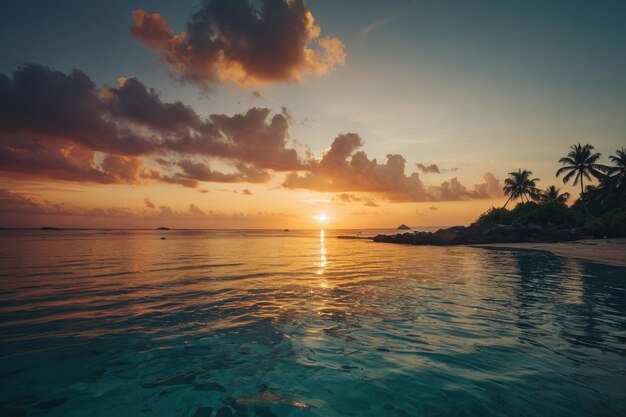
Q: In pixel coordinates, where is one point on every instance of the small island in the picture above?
(403, 227)
(163, 228)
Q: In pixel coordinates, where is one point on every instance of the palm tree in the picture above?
(619, 170)
(605, 195)
(520, 185)
(553, 195)
(579, 163)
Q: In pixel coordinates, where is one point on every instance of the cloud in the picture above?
(193, 209)
(344, 169)
(61, 126)
(135, 102)
(28, 156)
(20, 204)
(256, 138)
(19, 210)
(148, 203)
(430, 169)
(194, 172)
(351, 198)
(16, 203)
(242, 41)
(346, 198)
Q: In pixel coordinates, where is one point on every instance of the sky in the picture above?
(270, 113)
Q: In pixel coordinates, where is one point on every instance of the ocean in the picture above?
(300, 323)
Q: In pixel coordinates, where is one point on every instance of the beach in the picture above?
(606, 251)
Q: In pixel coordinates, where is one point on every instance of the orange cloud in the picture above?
(244, 42)
(342, 168)
(19, 210)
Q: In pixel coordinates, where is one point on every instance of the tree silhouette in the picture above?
(579, 164)
(618, 171)
(520, 185)
(553, 195)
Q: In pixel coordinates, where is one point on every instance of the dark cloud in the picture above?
(243, 41)
(256, 138)
(59, 107)
(194, 172)
(148, 203)
(430, 169)
(342, 169)
(133, 101)
(54, 125)
(59, 126)
(29, 156)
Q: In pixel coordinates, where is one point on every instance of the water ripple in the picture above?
(225, 324)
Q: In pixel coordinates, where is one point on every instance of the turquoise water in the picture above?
(302, 324)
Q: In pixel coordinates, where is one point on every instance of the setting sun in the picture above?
(322, 218)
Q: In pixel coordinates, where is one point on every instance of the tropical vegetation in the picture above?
(599, 210)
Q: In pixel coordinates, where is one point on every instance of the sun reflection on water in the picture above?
(321, 270)
(322, 254)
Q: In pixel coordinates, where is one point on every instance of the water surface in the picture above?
(218, 323)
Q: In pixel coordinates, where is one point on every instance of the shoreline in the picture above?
(610, 251)
(606, 251)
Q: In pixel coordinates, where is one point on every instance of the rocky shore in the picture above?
(478, 234)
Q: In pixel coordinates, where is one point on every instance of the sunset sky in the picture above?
(268, 113)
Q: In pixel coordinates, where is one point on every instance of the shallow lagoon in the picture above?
(217, 323)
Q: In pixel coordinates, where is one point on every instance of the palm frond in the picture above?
(569, 176)
(564, 169)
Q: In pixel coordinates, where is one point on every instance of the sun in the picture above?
(322, 218)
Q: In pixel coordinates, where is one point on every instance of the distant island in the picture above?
(50, 228)
(403, 227)
(163, 228)
(542, 216)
